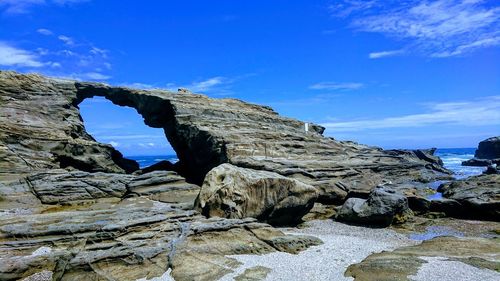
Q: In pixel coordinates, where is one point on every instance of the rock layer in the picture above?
(406, 262)
(130, 240)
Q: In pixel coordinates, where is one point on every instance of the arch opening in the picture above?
(123, 128)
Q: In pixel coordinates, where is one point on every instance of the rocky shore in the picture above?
(72, 208)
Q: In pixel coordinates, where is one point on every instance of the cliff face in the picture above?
(42, 129)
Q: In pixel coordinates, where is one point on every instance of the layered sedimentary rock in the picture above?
(76, 209)
(233, 192)
(478, 196)
(439, 256)
(41, 129)
(131, 239)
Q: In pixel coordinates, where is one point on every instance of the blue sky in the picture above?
(389, 73)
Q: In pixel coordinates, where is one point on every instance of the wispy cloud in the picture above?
(15, 57)
(66, 40)
(336, 86)
(480, 112)
(45, 31)
(67, 59)
(440, 28)
(24, 6)
(377, 55)
(206, 85)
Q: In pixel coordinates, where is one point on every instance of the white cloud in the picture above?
(480, 112)
(95, 76)
(114, 143)
(100, 52)
(440, 28)
(67, 40)
(19, 6)
(206, 85)
(347, 7)
(11, 56)
(44, 31)
(336, 86)
(24, 6)
(377, 55)
(138, 86)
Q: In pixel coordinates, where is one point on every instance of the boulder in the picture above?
(234, 192)
(487, 153)
(479, 196)
(488, 149)
(382, 208)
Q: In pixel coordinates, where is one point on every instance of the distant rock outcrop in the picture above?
(488, 149)
(487, 153)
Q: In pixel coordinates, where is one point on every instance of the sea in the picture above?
(452, 159)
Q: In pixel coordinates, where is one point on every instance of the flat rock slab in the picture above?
(130, 240)
(442, 258)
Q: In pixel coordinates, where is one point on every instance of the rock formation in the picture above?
(382, 208)
(478, 197)
(76, 209)
(405, 262)
(234, 192)
(42, 129)
(487, 153)
(488, 149)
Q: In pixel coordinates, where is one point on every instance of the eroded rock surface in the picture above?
(479, 196)
(131, 239)
(75, 209)
(233, 192)
(41, 129)
(382, 208)
(447, 253)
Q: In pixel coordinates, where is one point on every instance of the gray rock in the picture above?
(60, 186)
(488, 149)
(487, 153)
(233, 192)
(382, 208)
(41, 129)
(129, 240)
(164, 186)
(479, 196)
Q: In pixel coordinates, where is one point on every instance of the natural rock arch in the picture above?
(198, 151)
